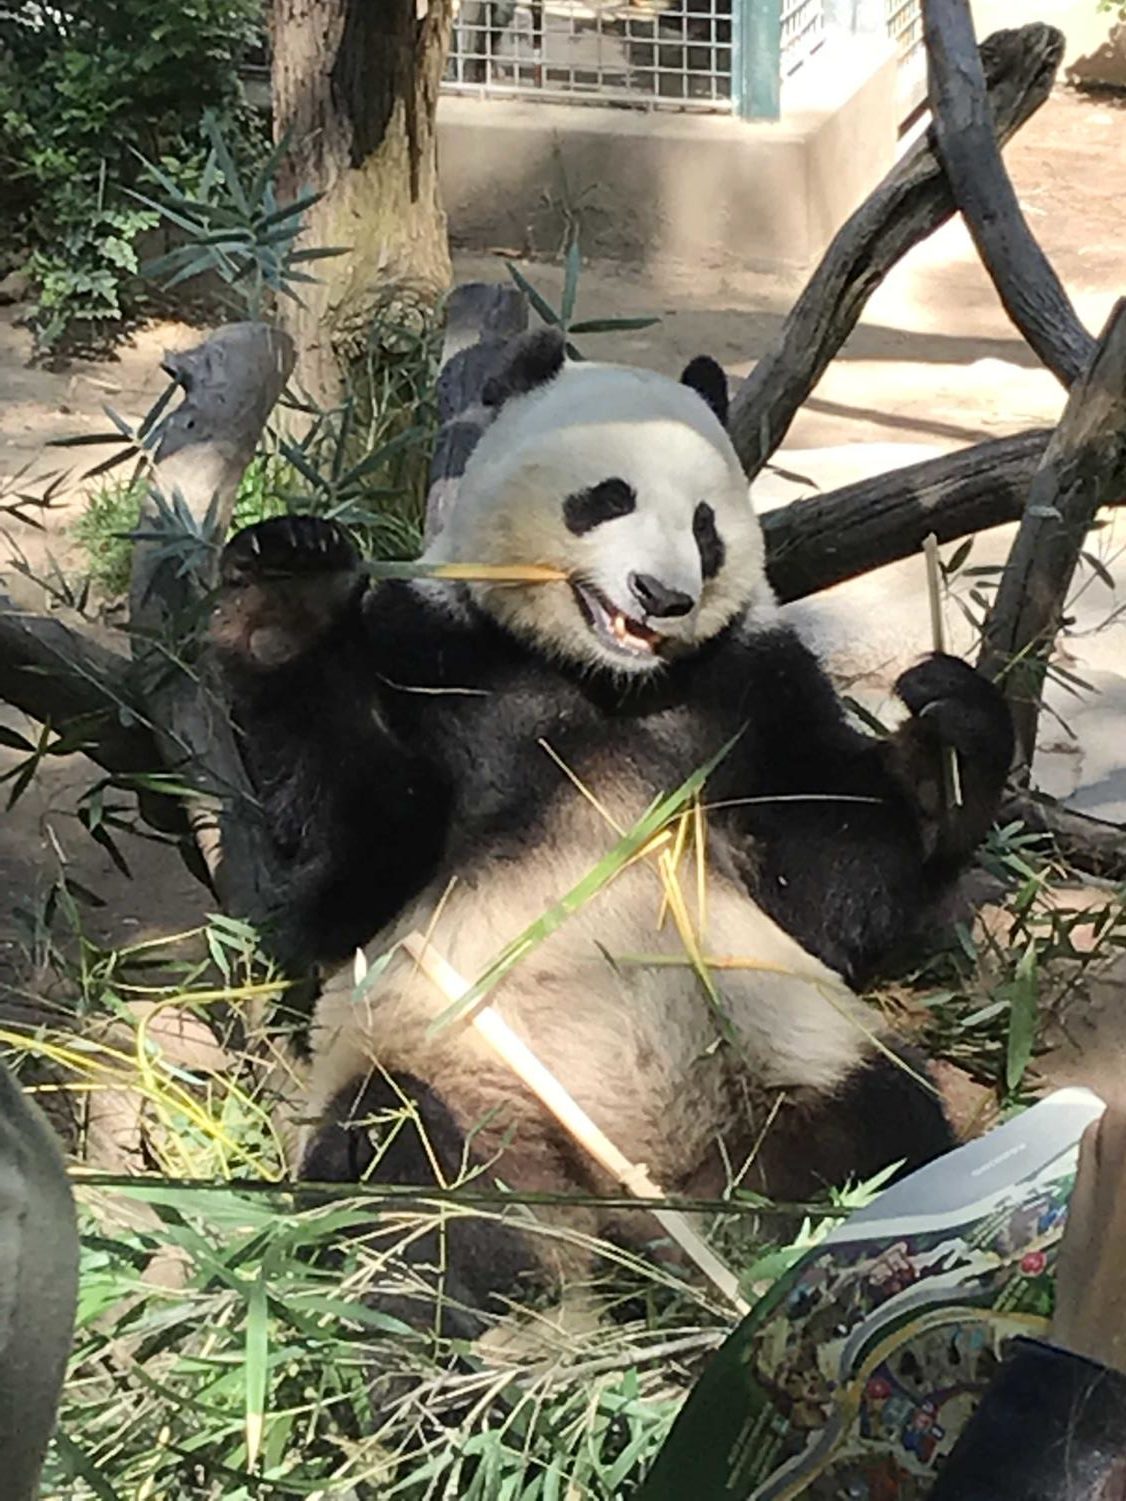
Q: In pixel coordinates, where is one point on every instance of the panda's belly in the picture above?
(638, 1046)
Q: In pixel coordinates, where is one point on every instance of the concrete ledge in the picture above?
(707, 191)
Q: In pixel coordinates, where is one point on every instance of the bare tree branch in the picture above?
(60, 677)
(910, 203)
(1083, 468)
(814, 543)
(963, 132)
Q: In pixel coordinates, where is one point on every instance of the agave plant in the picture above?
(236, 229)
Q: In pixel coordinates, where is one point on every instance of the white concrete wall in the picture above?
(652, 187)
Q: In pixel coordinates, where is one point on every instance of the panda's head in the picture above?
(627, 482)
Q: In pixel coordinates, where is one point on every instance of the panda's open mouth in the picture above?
(614, 628)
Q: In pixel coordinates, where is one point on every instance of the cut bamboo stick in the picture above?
(951, 772)
(634, 1177)
(468, 573)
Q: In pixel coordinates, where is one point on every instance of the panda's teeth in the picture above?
(620, 627)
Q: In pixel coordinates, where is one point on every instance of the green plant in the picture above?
(106, 527)
(563, 317)
(103, 530)
(366, 463)
(84, 84)
(234, 228)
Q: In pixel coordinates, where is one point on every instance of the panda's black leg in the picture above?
(396, 1130)
(887, 1112)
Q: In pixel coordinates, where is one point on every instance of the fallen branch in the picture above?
(1090, 844)
(60, 677)
(1083, 468)
(964, 135)
(203, 447)
(815, 543)
(910, 203)
(231, 383)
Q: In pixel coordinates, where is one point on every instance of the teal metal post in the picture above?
(756, 58)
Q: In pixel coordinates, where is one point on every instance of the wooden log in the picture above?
(1090, 844)
(231, 383)
(481, 319)
(55, 673)
(910, 203)
(964, 135)
(1083, 468)
(815, 543)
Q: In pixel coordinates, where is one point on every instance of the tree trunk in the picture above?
(355, 89)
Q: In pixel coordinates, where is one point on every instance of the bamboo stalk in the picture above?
(570, 1115)
(469, 573)
(951, 772)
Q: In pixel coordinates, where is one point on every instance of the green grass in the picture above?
(102, 530)
(228, 1334)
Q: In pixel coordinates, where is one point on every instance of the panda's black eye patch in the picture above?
(708, 540)
(605, 501)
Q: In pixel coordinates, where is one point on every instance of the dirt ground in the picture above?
(934, 365)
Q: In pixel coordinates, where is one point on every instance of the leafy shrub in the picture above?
(86, 85)
(112, 513)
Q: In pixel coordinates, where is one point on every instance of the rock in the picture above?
(15, 287)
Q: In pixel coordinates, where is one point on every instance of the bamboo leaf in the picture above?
(1024, 1013)
(317, 253)
(257, 1366)
(226, 163)
(611, 325)
(80, 1466)
(647, 827)
(572, 269)
(14, 740)
(542, 307)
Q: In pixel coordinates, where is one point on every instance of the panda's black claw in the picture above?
(287, 547)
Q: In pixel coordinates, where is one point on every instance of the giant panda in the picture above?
(453, 758)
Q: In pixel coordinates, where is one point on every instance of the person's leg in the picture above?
(1053, 1420)
(1090, 1313)
(38, 1288)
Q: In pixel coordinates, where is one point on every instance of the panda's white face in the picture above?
(625, 481)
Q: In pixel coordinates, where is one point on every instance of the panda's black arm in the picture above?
(355, 817)
(850, 837)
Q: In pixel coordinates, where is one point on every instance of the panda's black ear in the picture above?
(532, 360)
(709, 380)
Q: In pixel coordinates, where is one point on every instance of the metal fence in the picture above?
(709, 55)
(803, 29)
(905, 25)
(631, 52)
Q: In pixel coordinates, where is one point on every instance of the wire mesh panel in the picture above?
(905, 25)
(675, 54)
(803, 28)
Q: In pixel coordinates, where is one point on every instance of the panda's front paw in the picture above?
(285, 584)
(287, 547)
(953, 705)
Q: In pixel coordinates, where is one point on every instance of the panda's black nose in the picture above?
(655, 599)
